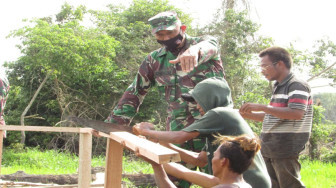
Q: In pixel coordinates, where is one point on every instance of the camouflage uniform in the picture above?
(4, 88)
(171, 81)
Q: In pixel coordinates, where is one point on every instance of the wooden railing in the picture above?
(116, 142)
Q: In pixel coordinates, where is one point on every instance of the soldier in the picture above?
(174, 69)
(4, 88)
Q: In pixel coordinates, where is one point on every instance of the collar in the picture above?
(289, 77)
(163, 51)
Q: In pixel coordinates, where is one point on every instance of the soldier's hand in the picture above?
(95, 133)
(137, 128)
(188, 59)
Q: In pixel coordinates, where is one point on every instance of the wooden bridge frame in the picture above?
(116, 142)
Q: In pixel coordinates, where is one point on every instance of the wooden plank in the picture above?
(151, 150)
(113, 168)
(85, 150)
(46, 129)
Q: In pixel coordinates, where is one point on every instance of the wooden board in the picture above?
(151, 150)
(46, 129)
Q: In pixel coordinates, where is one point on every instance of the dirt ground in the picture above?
(20, 179)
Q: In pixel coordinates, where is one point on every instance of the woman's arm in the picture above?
(195, 177)
(190, 157)
(161, 177)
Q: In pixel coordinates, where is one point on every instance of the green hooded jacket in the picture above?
(214, 96)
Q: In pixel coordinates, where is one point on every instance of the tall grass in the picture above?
(315, 174)
(34, 161)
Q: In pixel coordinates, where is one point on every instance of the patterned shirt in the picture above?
(4, 88)
(284, 138)
(171, 81)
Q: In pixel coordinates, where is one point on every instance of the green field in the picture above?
(33, 161)
(315, 174)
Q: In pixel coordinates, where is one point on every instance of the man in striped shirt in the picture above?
(287, 120)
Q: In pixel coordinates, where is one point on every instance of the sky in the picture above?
(300, 22)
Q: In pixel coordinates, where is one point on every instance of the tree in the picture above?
(318, 62)
(324, 59)
(239, 44)
(80, 61)
(91, 66)
(328, 102)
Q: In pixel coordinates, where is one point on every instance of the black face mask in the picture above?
(172, 43)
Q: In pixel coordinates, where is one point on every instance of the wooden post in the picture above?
(113, 168)
(85, 150)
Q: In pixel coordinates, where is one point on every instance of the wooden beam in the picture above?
(46, 129)
(85, 150)
(113, 168)
(148, 149)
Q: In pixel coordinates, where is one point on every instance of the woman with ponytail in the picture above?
(233, 157)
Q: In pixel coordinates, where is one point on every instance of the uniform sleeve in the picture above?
(208, 124)
(4, 89)
(132, 98)
(208, 49)
(299, 96)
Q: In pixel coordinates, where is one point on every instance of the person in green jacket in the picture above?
(213, 98)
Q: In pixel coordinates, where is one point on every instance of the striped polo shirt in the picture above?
(284, 138)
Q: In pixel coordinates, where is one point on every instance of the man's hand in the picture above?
(139, 127)
(188, 59)
(95, 133)
(247, 108)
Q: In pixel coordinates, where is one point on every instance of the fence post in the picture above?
(113, 168)
(85, 151)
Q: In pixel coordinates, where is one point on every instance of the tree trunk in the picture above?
(323, 71)
(23, 135)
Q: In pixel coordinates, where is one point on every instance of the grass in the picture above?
(34, 161)
(315, 174)
(318, 174)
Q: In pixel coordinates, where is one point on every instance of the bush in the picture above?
(321, 142)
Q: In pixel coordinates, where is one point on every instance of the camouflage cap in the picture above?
(164, 21)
